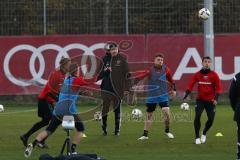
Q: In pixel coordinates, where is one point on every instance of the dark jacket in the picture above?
(115, 81)
(234, 96)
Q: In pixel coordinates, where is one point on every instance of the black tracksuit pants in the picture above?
(210, 109)
(109, 98)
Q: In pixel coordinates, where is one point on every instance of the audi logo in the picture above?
(37, 54)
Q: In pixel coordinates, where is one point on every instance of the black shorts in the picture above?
(56, 121)
(45, 109)
(152, 106)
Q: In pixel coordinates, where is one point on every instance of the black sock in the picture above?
(36, 127)
(145, 133)
(73, 147)
(43, 141)
(104, 123)
(35, 142)
(167, 129)
(204, 132)
(117, 122)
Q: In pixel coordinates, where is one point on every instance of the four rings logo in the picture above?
(37, 54)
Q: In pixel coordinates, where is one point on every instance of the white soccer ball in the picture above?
(204, 13)
(98, 116)
(185, 106)
(136, 114)
(1, 108)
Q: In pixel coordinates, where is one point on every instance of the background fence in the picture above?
(30, 17)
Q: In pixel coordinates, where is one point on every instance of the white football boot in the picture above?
(198, 141)
(203, 138)
(170, 135)
(28, 151)
(143, 138)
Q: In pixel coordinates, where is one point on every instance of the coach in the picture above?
(114, 74)
(234, 96)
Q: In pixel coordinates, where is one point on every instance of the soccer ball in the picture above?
(98, 116)
(1, 108)
(204, 13)
(185, 106)
(136, 114)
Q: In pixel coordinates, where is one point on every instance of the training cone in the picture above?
(84, 135)
(219, 134)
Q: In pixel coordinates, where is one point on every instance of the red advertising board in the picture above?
(26, 61)
(183, 55)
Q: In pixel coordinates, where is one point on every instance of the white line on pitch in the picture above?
(15, 112)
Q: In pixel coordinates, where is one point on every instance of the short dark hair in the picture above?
(73, 68)
(159, 55)
(64, 61)
(206, 57)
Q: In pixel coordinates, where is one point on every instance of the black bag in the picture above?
(71, 157)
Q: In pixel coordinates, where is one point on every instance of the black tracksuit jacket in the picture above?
(234, 96)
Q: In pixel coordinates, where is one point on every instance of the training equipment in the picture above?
(136, 113)
(185, 106)
(219, 134)
(68, 123)
(98, 116)
(84, 135)
(1, 108)
(204, 13)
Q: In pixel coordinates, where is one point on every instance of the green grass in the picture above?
(127, 147)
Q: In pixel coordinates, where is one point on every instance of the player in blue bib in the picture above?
(66, 105)
(160, 85)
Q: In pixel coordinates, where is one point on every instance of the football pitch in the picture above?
(17, 119)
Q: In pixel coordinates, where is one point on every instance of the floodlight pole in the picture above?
(126, 17)
(209, 33)
(44, 18)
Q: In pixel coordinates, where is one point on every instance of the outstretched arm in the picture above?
(170, 79)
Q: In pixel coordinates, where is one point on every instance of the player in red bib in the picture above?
(46, 100)
(209, 88)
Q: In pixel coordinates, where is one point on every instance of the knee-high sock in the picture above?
(36, 127)
(104, 122)
(117, 121)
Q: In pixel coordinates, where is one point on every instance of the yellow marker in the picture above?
(219, 134)
(84, 135)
